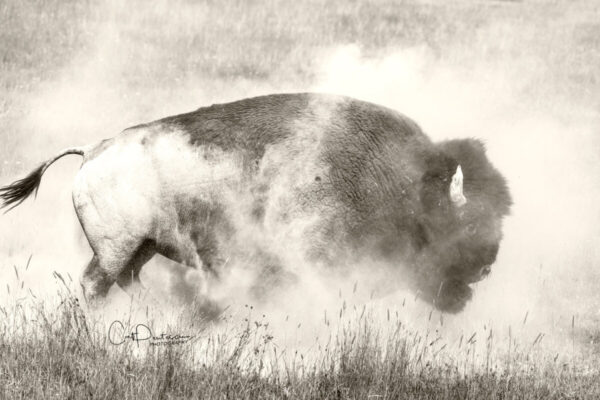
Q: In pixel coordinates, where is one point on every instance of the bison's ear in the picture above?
(441, 183)
(456, 189)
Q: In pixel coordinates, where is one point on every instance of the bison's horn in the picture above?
(456, 189)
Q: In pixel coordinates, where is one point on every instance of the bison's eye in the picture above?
(471, 229)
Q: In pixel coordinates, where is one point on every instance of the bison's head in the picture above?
(464, 199)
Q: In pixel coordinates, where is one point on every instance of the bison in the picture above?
(337, 179)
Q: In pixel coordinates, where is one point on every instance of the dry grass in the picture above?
(145, 59)
(60, 351)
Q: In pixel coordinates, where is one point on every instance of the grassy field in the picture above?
(59, 351)
(523, 75)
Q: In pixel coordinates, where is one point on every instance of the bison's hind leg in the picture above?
(95, 282)
(129, 278)
(117, 264)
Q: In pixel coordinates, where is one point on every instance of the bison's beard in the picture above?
(449, 295)
(444, 286)
(443, 271)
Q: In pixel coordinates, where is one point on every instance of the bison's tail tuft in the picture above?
(17, 192)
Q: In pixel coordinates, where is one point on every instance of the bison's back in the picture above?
(251, 125)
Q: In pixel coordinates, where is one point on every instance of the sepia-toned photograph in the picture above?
(310, 199)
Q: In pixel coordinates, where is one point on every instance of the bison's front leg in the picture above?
(271, 279)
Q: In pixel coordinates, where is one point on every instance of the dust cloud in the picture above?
(546, 147)
(546, 267)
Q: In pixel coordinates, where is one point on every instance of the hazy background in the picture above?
(522, 75)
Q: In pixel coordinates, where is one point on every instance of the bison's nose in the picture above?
(489, 253)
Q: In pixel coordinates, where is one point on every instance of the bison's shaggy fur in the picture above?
(345, 180)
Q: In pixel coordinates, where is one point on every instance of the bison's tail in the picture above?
(14, 194)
